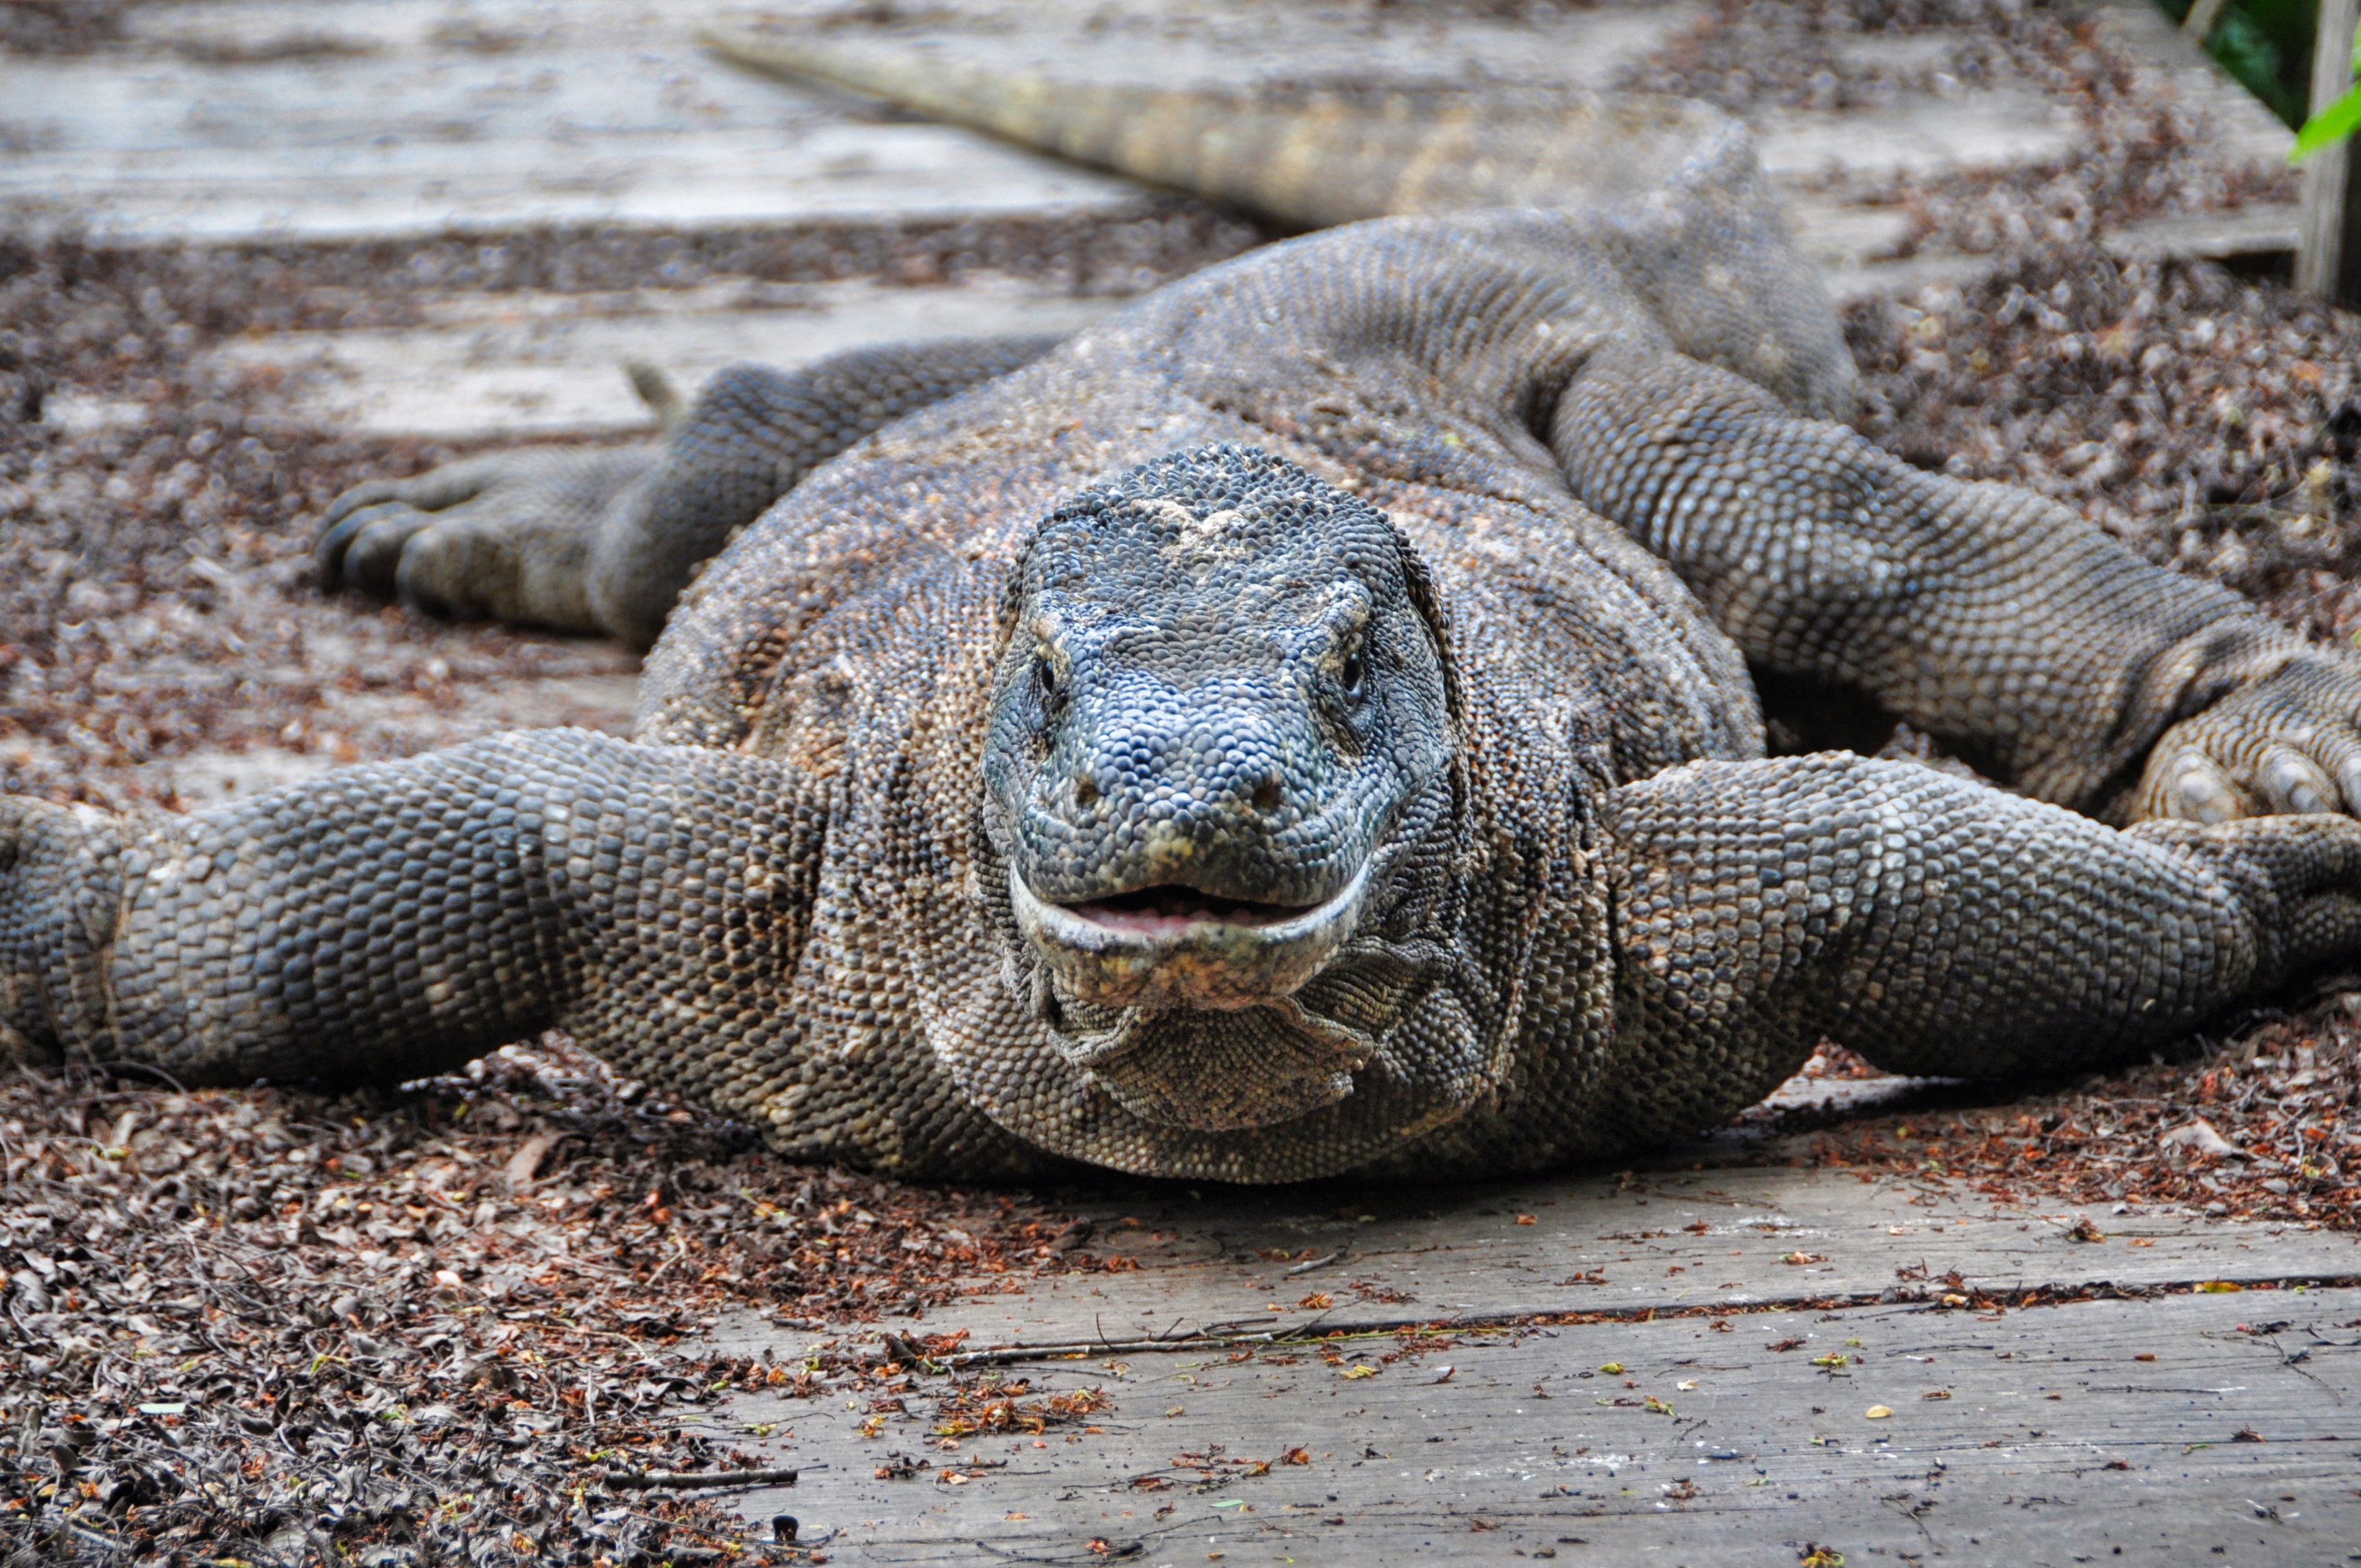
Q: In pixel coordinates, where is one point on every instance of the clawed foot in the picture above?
(506, 537)
(2290, 744)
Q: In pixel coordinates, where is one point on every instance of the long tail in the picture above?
(1672, 186)
(1307, 157)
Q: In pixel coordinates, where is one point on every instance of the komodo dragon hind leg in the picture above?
(505, 537)
(604, 539)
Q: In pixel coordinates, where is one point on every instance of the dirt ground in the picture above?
(441, 1325)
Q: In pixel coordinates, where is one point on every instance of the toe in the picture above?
(2198, 789)
(373, 556)
(446, 571)
(2292, 784)
(2337, 751)
(454, 484)
(371, 493)
(331, 555)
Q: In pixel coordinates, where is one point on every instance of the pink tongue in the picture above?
(1174, 915)
(1144, 921)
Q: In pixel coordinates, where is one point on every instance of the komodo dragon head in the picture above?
(1222, 728)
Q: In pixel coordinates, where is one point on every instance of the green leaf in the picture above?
(2329, 127)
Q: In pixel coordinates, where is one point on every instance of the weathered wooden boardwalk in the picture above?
(1433, 1392)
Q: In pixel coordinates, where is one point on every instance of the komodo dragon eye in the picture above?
(1353, 674)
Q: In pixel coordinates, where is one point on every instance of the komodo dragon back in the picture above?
(1673, 183)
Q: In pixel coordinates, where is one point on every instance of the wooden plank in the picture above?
(1661, 1241)
(2328, 255)
(2055, 1441)
(2168, 64)
(2264, 229)
(535, 363)
(2264, 232)
(2007, 124)
(333, 118)
(2198, 26)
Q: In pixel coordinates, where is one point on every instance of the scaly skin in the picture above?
(1303, 725)
(604, 540)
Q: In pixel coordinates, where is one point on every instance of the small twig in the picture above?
(1316, 1263)
(525, 1162)
(650, 1480)
(140, 1067)
(1101, 1552)
(668, 1263)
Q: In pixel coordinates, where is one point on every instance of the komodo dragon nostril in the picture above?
(1266, 794)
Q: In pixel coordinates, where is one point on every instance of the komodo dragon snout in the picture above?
(1220, 720)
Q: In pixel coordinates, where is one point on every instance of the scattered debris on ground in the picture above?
(1749, 55)
(2268, 1128)
(2137, 159)
(437, 1326)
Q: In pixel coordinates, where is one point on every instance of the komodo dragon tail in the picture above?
(1307, 156)
(1675, 182)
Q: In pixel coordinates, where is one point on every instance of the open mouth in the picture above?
(1167, 946)
(1166, 909)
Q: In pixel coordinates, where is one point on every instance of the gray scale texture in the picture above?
(1472, 458)
(615, 534)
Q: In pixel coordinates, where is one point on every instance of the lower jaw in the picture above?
(1213, 965)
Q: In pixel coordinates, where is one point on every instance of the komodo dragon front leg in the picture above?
(604, 540)
(1990, 617)
(395, 920)
(1934, 925)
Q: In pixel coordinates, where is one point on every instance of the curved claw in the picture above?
(364, 548)
(425, 572)
(367, 493)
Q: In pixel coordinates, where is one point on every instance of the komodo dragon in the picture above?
(1309, 723)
